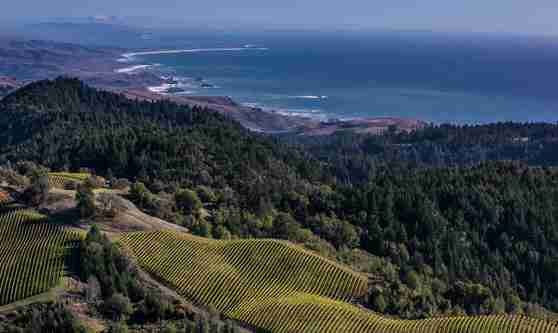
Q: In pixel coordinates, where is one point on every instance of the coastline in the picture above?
(132, 69)
(253, 116)
(131, 55)
(175, 85)
(117, 70)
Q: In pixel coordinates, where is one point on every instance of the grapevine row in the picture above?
(59, 179)
(298, 312)
(282, 288)
(32, 254)
(224, 274)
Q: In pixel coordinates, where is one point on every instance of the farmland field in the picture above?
(59, 179)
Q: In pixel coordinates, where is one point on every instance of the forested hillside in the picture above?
(439, 231)
(354, 155)
(67, 125)
(4, 91)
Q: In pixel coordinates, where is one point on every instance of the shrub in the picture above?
(141, 195)
(206, 194)
(412, 279)
(96, 181)
(36, 193)
(30, 169)
(169, 328)
(71, 185)
(12, 177)
(118, 328)
(121, 184)
(156, 306)
(379, 303)
(118, 306)
(108, 204)
(85, 199)
(188, 202)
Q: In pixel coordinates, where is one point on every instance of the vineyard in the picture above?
(205, 270)
(32, 254)
(309, 313)
(282, 288)
(60, 179)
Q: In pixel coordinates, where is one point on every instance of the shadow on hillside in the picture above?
(67, 217)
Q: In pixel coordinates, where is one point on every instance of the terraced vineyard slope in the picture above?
(309, 313)
(280, 287)
(226, 274)
(32, 254)
(60, 179)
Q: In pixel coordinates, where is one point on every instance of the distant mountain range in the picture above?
(99, 30)
(36, 59)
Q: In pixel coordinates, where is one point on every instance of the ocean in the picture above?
(439, 78)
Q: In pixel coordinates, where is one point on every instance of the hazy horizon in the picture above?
(497, 16)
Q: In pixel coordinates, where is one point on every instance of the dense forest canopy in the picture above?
(354, 155)
(64, 124)
(445, 223)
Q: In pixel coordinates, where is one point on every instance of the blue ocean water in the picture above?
(433, 77)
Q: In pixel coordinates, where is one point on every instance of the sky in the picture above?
(498, 16)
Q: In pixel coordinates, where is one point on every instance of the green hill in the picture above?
(225, 274)
(443, 238)
(282, 288)
(64, 124)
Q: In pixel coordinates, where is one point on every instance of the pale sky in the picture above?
(515, 16)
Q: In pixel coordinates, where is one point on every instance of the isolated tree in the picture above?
(93, 289)
(118, 306)
(379, 303)
(156, 306)
(85, 198)
(191, 327)
(188, 202)
(108, 203)
(202, 228)
(206, 194)
(94, 234)
(37, 192)
(413, 280)
(281, 225)
(140, 194)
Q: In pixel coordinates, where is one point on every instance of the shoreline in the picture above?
(170, 85)
(128, 56)
(270, 120)
(132, 69)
